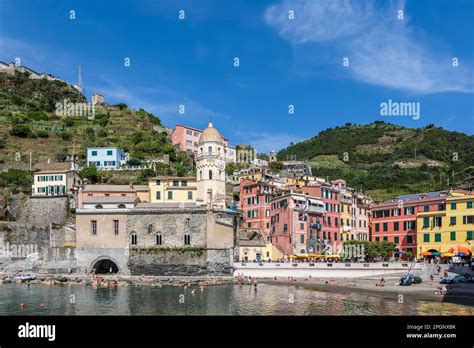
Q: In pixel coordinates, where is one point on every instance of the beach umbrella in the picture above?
(436, 253)
(426, 253)
(462, 254)
(460, 249)
(448, 254)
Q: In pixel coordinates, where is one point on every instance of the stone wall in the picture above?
(39, 212)
(160, 261)
(171, 225)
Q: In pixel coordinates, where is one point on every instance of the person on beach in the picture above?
(381, 283)
(445, 272)
(432, 277)
(439, 269)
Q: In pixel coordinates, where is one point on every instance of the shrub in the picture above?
(42, 133)
(66, 135)
(21, 130)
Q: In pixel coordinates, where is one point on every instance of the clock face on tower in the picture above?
(221, 165)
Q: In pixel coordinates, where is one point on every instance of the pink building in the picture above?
(186, 138)
(294, 219)
(255, 198)
(90, 192)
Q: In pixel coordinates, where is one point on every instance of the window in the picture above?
(385, 239)
(453, 206)
(158, 239)
(121, 206)
(210, 175)
(377, 227)
(170, 194)
(93, 153)
(302, 238)
(150, 228)
(158, 182)
(385, 226)
(94, 227)
(396, 239)
(409, 239)
(438, 237)
(468, 219)
(98, 206)
(395, 226)
(469, 205)
(134, 238)
(452, 236)
(184, 183)
(437, 221)
(377, 239)
(426, 208)
(158, 195)
(426, 238)
(209, 150)
(190, 194)
(116, 227)
(469, 235)
(426, 222)
(175, 183)
(109, 152)
(285, 228)
(409, 211)
(452, 220)
(302, 226)
(187, 239)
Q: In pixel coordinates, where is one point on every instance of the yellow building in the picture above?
(251, 174)
(346, 216)
(297, 182)
(442, 230)
(171, 189)
(253, 247)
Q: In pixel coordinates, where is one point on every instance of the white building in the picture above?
(55, 182)
(210, 166)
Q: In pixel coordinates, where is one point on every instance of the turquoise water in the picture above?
(215, 300)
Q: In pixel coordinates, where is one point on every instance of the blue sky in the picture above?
(283, 61)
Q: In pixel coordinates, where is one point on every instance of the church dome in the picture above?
(210, 134)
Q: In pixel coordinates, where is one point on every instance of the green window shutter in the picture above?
(426, 222)
(469, 205)
(453, 206)
(453, 236)
(469, 235)
(395, 240)
(438, 237)
(426, 238)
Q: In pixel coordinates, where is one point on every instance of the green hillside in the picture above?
(29, 123)
(386, 160)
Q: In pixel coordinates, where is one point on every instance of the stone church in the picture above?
(164, 238)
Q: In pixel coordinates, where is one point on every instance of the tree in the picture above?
(90, 173)
(275, 167)
(61, 155)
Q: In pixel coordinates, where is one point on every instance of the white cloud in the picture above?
(382, 49)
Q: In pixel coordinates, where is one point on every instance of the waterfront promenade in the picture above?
(322, 270)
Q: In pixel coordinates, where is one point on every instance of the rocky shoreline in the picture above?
(111, 281)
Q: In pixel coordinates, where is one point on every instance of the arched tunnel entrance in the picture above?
(105, 266)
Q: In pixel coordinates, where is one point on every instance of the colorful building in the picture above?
(186, 139)
(396, 220)
(94, 193)
(449, 227)
(360, 216)
(106, 157)
(255, 206)
(294, 220)
(172, 189)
